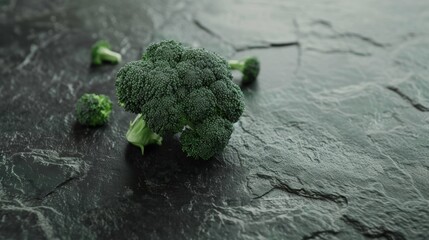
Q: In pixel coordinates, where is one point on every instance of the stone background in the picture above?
(333, 143)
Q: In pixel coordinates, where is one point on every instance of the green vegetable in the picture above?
(249, 67)
(139, 134)
(101, 53)
(93, 110)
(176, 89)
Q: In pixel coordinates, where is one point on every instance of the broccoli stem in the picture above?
(236, 65)
(109, 55)
(140, 135)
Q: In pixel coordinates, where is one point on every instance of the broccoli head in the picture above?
(249, 67)
(176, 89)
(93, 110)
(101, 53)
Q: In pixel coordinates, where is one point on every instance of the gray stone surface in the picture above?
(332, 145)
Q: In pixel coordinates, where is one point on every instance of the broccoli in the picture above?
(93, 110)
(176, 89)
(139, 134)
(101, 53)
(249, 67)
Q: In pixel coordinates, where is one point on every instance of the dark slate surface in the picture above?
(333, 143)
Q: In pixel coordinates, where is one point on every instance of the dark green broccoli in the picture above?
(101, 53)
(176, 89)
(249, 67)
(93, 110)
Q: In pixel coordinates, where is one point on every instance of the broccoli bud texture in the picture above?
(176, 89)
(93, 110)
(249, 67)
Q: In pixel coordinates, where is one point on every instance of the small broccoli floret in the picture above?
(93, 110)
(249, 67)
(101, 53)
(140, 135)
(176, 89)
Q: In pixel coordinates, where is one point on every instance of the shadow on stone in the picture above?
(237, 79)
(249, 86)
(163, 167)
(80, 133)
(104, 69)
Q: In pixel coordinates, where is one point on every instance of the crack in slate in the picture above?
(335, 51)
(413, 103)
(302, 192)
(376, 232)
(298, 35)
(59, 186)
(210, 32)
(264, 194)
(360, 37)
(295, 124)
(269, 45)
(319, 234)
(241, 49)
(338, 199)
(338, 35)
(240, 123)
(322, 22)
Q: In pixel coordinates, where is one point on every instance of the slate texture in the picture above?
(333, 143)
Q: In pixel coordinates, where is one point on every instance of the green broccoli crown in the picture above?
(206, 138)
(101, 52)
(249, 67)
(177, 89)
(93, 110)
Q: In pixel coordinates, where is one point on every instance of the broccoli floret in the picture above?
(139, 134)
(249, 67)
(176, 89)
(101, 53)
(93, 110)
(211, 133)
